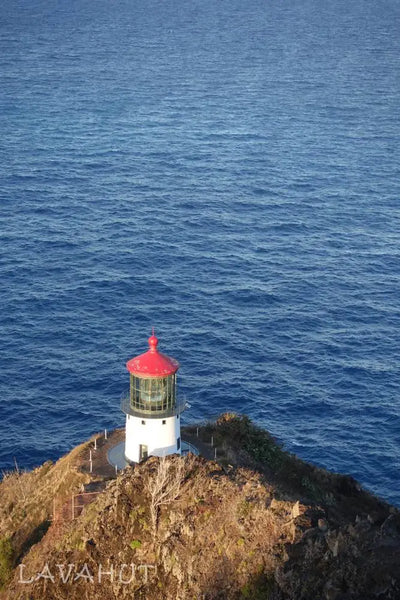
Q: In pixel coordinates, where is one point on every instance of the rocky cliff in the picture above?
(255, 523)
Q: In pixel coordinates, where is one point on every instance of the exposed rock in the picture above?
(323, 525)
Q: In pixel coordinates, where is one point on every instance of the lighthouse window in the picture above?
(178, 443)
(143, 422)
(153, 394)
(164, 422)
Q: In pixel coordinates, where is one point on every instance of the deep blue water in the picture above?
(227, 171)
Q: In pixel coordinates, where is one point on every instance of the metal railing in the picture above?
(154, 411)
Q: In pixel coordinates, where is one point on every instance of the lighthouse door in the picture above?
(143, 452)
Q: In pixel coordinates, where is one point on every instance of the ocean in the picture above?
(227, 172)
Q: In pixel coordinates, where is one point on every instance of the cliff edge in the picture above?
(255, 523)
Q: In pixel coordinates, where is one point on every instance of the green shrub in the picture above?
(256, 441)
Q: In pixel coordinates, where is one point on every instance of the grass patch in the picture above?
(6, 560)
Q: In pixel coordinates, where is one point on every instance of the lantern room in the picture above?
(152, 382)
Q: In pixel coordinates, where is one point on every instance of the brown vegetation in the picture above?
(258, 524)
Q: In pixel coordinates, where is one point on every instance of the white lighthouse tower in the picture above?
(152, 411)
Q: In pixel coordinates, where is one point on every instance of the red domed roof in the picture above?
(152, 363)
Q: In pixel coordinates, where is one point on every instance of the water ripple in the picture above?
(227, 172)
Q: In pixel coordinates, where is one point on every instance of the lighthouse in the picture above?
(152, 410)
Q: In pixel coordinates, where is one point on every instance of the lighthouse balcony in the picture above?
(152, 410)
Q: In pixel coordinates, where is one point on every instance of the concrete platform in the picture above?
(115, 456)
